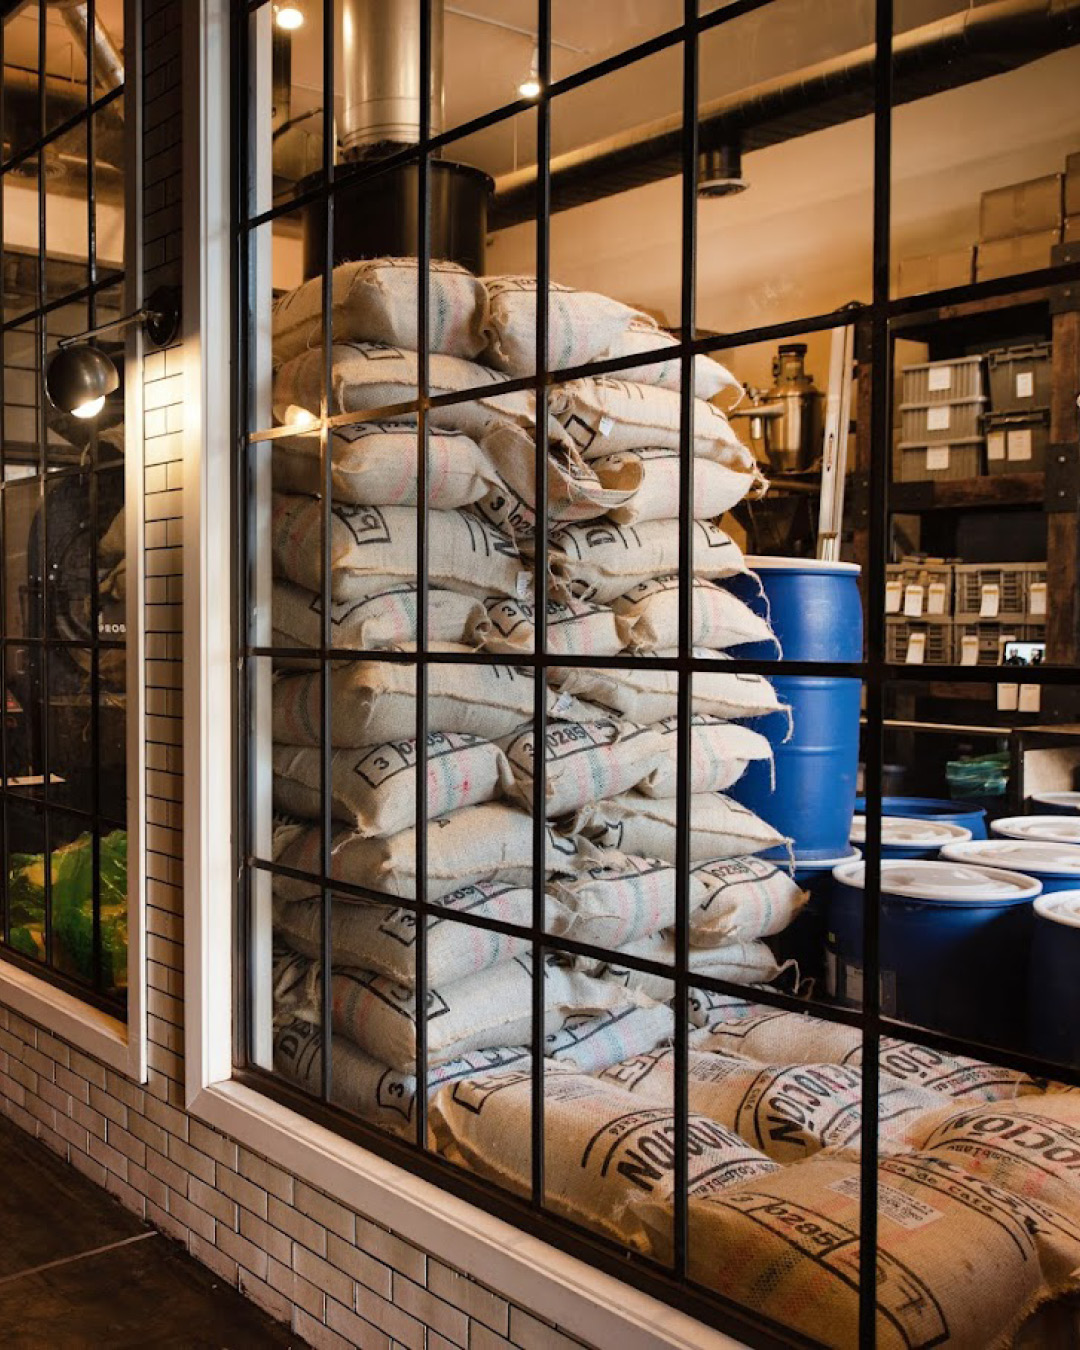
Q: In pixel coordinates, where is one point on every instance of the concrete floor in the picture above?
(78, 1271)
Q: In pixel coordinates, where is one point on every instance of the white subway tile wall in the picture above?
(337, 1278)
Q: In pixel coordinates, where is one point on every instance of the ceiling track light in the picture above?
(290, 15)
(79, 377)
(530, 86)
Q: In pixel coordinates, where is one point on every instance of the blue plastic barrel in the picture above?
(1057, 866)
(972, 818)
(1054, 1019)
(1056, 803)
(955, 943)
(909, 837)
(816, 613)
(803, 940)
(1046, 829)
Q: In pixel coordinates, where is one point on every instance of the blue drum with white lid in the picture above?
(1056, 803)
(1048, 829)
(904, 837)
(954, 946)
(1054, 1014)
(1057, 866)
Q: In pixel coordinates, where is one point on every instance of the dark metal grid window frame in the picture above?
(35, 320)
(874, 324)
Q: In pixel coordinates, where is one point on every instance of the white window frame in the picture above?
(586, 1302)
(118, 1043)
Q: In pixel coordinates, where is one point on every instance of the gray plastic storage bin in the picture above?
(938, 638)
(989, 640)
(922, 463)
(943, 381)
(914, 573)
(941, 423)
(1017, 442)
(1013, 582)
(1020, 377)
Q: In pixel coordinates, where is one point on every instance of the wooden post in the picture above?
(1063, 526)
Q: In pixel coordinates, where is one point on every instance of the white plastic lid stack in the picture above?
(767, 562)
(911, 832)
(949, 882)
(1060, 907)
(1068, 800)
(1018, 855)
(1050, 829)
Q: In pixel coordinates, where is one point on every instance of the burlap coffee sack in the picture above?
(647, 696)
(719, 827)
(772, 1036)
(373, 788)
(747, 898)
(489, 1009)
(720, 753)
(381, 380)
(574, 491)
(606, 415)
(601, 561)
(585, 761)
(574, 628)
(710, 377)
(788, 1111)
(593, 1042)
(606, 1152)
(378, 623)
(957, 1263)
(739, 962)
(617, 900)
(1030, 1147)
(470, 845)
(658, 473)
(375, 701)
(374, 548)
(582, 326)
(382, 938)
(377, 300)
(377, 464)
(719, 620)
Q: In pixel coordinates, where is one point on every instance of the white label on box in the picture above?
(1008, 695)
(916, 649)
(969, 649)
(1019, 444)
(1030, 700)
(894, 594)
(935, 598)
(989, 600)
(995, 445)
(937, 458)
(939, 377)
(1025, 384)
(938, 417)
(913, 600)
(1037, 598)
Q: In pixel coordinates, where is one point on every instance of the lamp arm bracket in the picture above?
(161, 315)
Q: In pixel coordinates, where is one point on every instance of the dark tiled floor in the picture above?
(77, 1270)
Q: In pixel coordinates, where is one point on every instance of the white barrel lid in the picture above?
(822, 864)
(1060, 907)
(958, 883)
(1018, 855)
(1069, 799)
(763, 562)
(1051, 829)
(911, 831)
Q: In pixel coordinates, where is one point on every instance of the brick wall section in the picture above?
(337, 1278)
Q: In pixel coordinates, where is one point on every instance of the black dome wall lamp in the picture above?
(79, 377)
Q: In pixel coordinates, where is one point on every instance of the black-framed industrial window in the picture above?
(63, 169)
(337, 865)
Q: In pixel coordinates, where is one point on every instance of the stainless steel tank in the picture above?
(784, 423)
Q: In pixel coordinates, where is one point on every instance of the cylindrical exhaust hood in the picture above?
(380, 44)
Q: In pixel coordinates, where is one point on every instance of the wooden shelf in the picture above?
(966, 494)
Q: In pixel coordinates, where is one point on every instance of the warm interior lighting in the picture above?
(289, 17)
(529, 88)
(90, 408)
(296, 416)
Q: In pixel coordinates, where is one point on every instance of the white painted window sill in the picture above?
(585, 1302)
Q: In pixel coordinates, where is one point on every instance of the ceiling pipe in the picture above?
(959, 49)
(380, 42)
(108, 63)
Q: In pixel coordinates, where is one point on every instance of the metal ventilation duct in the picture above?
(108, 63)
(959, 49)
(383, 80)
